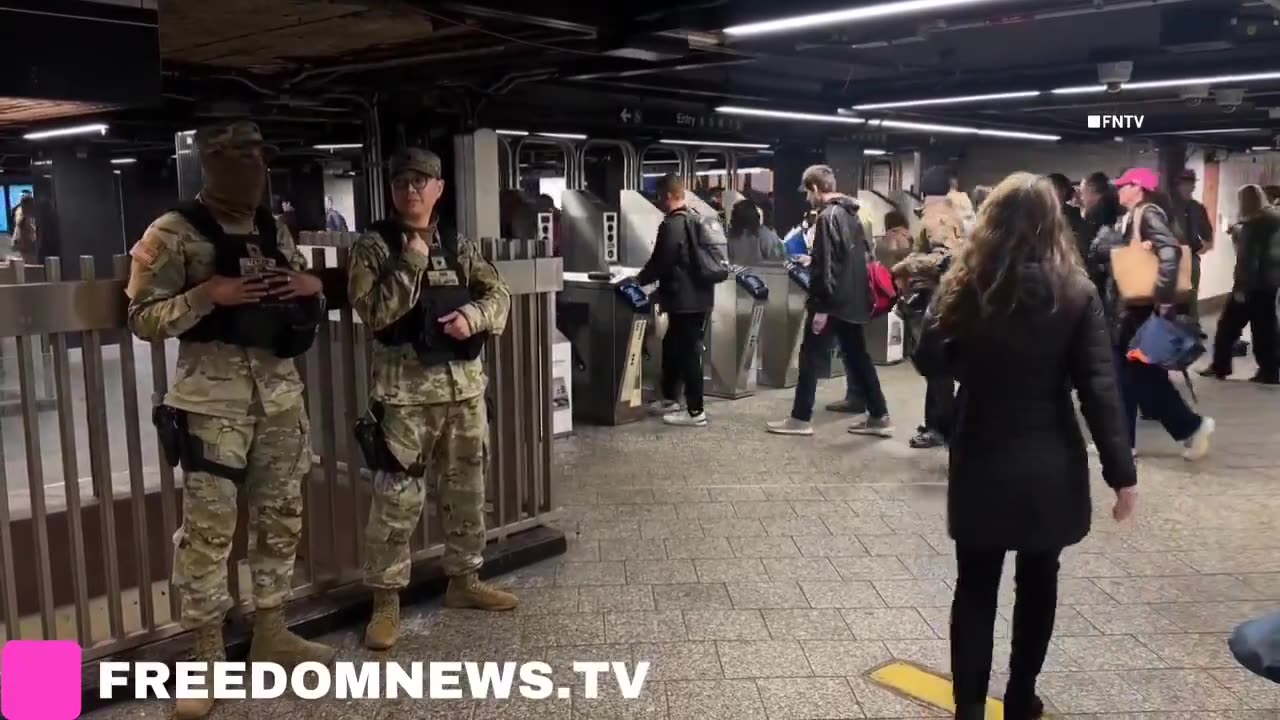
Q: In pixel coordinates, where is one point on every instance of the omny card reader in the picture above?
(605, 316)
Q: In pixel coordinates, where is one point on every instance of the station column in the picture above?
(846, 159)
(477, 184)
(89, 213)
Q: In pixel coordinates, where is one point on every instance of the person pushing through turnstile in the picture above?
(430, 300)
(223, 277)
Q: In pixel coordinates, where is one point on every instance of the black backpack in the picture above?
(707, 265)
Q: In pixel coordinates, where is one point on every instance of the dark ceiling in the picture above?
(306, 68)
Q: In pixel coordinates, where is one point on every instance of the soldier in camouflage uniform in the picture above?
(432, 414)
(243, 406)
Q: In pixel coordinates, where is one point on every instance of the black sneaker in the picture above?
(1265, 379)
(927, 439)
(1213, 372)
(1015, 709)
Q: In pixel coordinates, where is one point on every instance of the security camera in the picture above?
(1229, 98)
(1115, 74)
(1194, 95)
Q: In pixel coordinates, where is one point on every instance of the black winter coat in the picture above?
(1019, 470)
(669, 266)
(838, 271)
(1258, 253)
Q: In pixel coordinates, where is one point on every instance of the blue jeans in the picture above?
(861, 372)
(1149, 386)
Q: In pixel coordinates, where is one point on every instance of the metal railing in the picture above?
(88, 558)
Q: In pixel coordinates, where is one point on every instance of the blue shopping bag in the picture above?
(1256, 646)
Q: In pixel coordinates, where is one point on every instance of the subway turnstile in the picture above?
(733, 335)
(606, 319)
(783, 327)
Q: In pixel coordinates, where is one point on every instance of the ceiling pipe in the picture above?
(1021, 19)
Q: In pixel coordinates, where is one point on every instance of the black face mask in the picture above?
(234, 182)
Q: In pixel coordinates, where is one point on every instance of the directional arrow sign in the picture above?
(925, 686)
(630, 116)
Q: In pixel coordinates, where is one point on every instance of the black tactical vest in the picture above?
(444, 288)
(285, 327)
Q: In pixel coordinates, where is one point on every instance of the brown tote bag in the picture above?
(1137, 270)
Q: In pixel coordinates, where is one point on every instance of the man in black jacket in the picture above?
(1065, 190)
(1197, 229)
(684, 299)
(839, 306)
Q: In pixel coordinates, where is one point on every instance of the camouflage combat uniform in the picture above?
(433, 415)
(244, 406)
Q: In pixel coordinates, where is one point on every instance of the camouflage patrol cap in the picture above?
(416, 160)
(236, 135)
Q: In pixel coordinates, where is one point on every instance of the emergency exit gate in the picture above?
(88, 509)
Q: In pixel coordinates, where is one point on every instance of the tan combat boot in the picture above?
(274, 643)
(466, 591)
(209, 648)
(384, 625)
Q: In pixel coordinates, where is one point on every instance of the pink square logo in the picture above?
(41, 680)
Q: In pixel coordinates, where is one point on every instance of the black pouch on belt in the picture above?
(373, 442)
(180, 447)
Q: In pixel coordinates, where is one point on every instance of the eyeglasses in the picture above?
(417, 182)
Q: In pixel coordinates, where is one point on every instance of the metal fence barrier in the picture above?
(88, 509)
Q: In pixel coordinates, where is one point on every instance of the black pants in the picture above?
(939, 404)
(973, 618)
(682, 358)
(1258, 310)
(814, 348)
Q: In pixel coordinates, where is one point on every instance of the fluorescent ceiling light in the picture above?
(872, 151)
(513, 133)
(1215, 131)
(339, 146)
(1263, 148)
(961, 130)
(949, 100)
(700, 161)
(849, 15)
(41, 162)
(98, 128)
(714, 143)
(741, 171)
(786, 115)
(564, 136)
(1173, 82)
(123, 161)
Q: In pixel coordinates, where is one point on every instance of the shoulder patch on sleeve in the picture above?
(147, 250)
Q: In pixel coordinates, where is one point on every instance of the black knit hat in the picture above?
(936, 181)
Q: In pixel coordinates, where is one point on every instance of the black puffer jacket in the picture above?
(1154, 228)
(669, 266)
(1258, 252)
(1019, 470)
(839, 285)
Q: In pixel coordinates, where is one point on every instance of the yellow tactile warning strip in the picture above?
(925, 686)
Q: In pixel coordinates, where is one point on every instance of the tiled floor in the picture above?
(764, 576)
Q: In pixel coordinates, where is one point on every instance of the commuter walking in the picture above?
(1018, 323)
(234, 416)
(1254, 291)
(839, 306)
(919, 275)
(26, 230)
(1197, 230)
(1145, 385)
(1100, 207)
(431, 302)
(750, 242)
(685, 298)
(1065, 192)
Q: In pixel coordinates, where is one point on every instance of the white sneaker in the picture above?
(790, 426)
(877, 427)
(1198, 443)
(684, 419)
(662, 407)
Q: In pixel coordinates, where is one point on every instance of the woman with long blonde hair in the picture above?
(1018, 323)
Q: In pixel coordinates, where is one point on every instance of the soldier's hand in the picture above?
(289, 284)
(456, 325)
(418, 245)
(223, 290)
